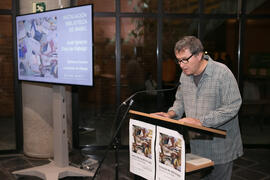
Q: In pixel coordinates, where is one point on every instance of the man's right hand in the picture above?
(163, 114)
(169, 114)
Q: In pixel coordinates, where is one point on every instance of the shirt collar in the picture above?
(209, 67)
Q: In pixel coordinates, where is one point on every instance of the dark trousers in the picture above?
(220, 172)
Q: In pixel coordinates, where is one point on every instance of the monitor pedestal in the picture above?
(59, 167)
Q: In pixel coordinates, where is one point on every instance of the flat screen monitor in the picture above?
(56, 46)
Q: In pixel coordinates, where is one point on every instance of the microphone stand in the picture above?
(114, 141)
(116, 145)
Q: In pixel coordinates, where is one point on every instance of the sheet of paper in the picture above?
(141, 147)
(170, 154)
(196, 160)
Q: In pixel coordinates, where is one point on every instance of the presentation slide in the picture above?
(56, 46)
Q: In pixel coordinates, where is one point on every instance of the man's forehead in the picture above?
(182, 51)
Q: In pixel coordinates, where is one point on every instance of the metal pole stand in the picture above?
(59, 167)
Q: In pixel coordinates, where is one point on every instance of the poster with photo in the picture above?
(170, 154)
(141, 147)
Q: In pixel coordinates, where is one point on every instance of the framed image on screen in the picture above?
(56, 46)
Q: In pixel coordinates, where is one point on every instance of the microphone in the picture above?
(146, 91)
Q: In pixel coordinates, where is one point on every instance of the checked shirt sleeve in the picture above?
(178, 105)
(229, 102)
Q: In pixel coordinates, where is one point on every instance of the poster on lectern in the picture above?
(141, 148)
(170, 154)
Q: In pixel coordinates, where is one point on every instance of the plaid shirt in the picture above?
(215, 102)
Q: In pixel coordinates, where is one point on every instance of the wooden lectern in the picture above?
(180, 126)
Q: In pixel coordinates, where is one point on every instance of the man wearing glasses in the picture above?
(209, 96)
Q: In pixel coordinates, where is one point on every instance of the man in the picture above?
(209, 96)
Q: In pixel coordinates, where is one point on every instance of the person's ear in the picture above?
(200, 55)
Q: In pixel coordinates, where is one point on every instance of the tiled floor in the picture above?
(254, 165)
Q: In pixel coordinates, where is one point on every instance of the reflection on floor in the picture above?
(254, 165)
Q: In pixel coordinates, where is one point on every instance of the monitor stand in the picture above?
(59, 166)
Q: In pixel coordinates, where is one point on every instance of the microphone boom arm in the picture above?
(144, 91)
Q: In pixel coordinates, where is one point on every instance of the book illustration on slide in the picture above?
(38, 47)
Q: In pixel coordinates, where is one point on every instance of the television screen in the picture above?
(56, 46)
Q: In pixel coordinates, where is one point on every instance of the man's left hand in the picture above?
(191, 121)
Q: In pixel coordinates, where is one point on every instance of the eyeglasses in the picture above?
(184, 60)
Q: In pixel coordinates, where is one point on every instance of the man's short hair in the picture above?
(189, 42)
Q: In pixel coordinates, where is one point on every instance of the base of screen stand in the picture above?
(52, 172)
(58, 168)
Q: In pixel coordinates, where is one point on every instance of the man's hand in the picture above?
(162, 114)
(169, 114)
(191, 121)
